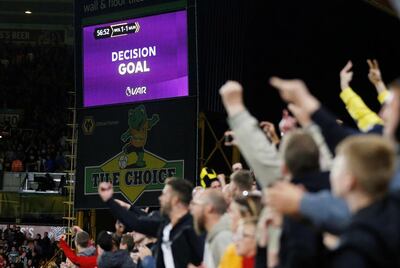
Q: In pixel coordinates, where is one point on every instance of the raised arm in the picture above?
(133, 222)
(375, 77)
(309, 126)
(325, 211)
(70, 254)
(296, 92)
(260, 154)
(358, 110)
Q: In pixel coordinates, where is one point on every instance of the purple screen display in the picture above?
(135, 60)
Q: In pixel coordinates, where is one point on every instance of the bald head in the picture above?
(215, 199)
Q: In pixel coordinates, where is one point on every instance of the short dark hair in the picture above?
(183, 188)
(116, 239)
(243, 179)
(82, 239)
(104, 240)
(128, 241)
(300, 153)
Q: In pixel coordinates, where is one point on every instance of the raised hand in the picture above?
(296, 92)
(301, 115)
(285, 197)
(232, 97)
(76, 229)
(346, 75)
(144, 252)
(222, 179)
(230, 138)
(290, 90)
(287, 123)
(105, 191)
(375, 75)
(123, 204)
(269, 130)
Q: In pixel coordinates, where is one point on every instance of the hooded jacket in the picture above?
(89, 251)
(117, 259)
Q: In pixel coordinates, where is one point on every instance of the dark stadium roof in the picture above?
(60, 12)
(383, 5)
(50, 12)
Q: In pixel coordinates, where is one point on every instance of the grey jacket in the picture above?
(261, 155)
(216, 242)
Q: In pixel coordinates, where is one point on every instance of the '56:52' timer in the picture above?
(116, 30)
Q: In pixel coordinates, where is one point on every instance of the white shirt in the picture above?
(166, 247)
(208, 258)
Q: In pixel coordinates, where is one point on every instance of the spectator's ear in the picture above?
(208, 208)
(285, 170)
(350, 183)
(174, 200)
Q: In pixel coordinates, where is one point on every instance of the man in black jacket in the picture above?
(362, 170)
(177, 244)
(301, 243)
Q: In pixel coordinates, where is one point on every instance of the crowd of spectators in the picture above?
(17, 250)
(319, 195)
(35, 80)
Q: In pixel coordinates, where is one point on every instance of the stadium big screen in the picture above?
(135, 60)
(136, 78)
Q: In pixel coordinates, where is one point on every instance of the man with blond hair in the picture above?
(361, 174)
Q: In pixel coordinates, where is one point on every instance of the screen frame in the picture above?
(111, 17)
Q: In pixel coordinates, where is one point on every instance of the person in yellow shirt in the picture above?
(241, 208)
(358, 110)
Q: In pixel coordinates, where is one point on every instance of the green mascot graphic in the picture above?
(136, 136)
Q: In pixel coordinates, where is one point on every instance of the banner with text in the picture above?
(136, 147)
(49, 37)
(88, 8)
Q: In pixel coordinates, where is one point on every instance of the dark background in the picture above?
(312, 40)
(250, 41)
